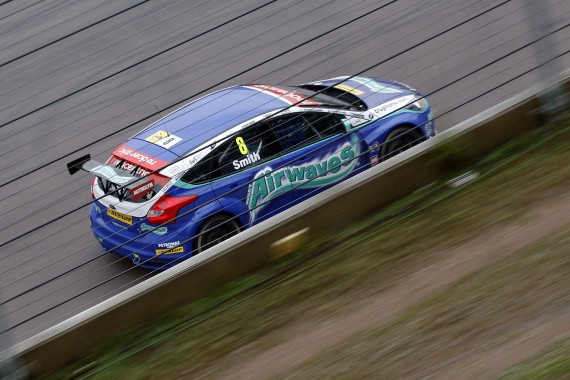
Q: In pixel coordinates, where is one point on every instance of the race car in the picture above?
(238, 156)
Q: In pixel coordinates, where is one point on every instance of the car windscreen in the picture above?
(322, 99)
(349, 100)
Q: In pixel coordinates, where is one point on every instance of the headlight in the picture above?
(420, 104)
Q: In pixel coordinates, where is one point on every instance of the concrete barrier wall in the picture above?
(330, 211)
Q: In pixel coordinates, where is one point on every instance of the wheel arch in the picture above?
(221, 213)
(421, 137)
(202, 222)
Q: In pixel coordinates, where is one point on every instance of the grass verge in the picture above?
(552, 364)
(477, 314)
(378, 262)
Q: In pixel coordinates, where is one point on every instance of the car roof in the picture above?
(204, 119)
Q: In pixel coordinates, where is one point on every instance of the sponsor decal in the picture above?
(428, 128)
(170, 244)
(390, 108)
(141, 190)
(376, 87)
(269, 184)
(349, 89)
(136, 258)
(286, 95)
(248, 160)
(374, 160)
(108, 172)
(158, 231)
(190, 160)
(429, 124)
(157, 136)
(168, 185)
(120, 216)
(174, 168)
(148, 162)
(356, 121)
(97, 208)
(125, 165)
(353, 118)
(169, 251)
(387, 106)
(164, 139)
(375, 147)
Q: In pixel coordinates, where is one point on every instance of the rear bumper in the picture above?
(139, 245)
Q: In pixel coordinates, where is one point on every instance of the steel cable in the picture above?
(362, 71)
(73, 33)
(119, 274)
(10, 195)
(134, 65)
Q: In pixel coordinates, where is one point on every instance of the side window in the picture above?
(296, 131)
(292, 132)
(326, 124)
(201, 172)
(249, 147)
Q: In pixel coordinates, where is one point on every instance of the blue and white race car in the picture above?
(238, 156)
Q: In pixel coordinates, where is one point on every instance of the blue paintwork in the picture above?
(205, 118)
(151, 150)
(264, 188)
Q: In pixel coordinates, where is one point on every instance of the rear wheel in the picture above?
(399, 140)
(215, 230)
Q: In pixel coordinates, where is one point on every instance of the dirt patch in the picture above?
(486, 364)
(309, 338)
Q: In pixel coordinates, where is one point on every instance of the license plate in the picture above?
(120, 216)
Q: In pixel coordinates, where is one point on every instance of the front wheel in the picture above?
(215, 230)
(399, 140)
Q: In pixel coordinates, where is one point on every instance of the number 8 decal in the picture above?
(241, 145)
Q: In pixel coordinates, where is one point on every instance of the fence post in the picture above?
(553, 98)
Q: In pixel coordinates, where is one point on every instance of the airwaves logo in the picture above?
(269, 184)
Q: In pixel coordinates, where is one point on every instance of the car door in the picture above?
(240, 167)
(318, 152)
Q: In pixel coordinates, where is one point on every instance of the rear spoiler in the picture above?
(114, 179)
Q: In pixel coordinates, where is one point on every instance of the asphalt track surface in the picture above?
(232, 50)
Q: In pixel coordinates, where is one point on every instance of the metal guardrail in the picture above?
(250, 250)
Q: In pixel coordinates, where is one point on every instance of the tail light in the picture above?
(166, 208)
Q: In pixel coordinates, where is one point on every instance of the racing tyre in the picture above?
(215, 230)
(399, 140)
